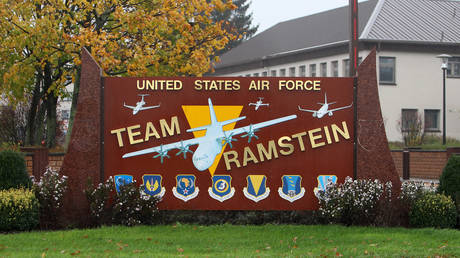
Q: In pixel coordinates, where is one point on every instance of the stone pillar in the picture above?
(83, 157)
(374, 159)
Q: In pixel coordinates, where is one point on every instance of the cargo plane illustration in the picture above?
(140, 105)
(210, 145)
(258, 103)
(324, 109)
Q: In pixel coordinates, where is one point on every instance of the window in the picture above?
(431, 120)
(256, 74)
(313, 70)
(302, 71)
(323, 69)
(453, 67)
(409, 119)
(335, 68)
(387, 70)
(346, 67)
(273, 73)
(264, 74)
(291, 71)
(248, 75)
(282, 72)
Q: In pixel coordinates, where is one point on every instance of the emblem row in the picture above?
(222, 190)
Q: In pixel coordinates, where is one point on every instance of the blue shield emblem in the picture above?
(185, 187)
(120, 180)
(256, 189)
(153, 185)
(221, 189)
(292, 189)
(323, 181)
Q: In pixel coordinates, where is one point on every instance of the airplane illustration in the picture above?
(210, 145)
(140, 105)
(259, 103)
(324, 109)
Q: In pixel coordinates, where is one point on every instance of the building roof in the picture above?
(422, 21)
(429, 21)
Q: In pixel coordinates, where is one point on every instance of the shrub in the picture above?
(13, 172)
(98, 199)
(49, 191)
(449, 182)
(353, 202)
(134, 207)
(411, 191)
(433, 210)
(18, 210)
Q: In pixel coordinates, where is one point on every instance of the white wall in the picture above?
(418, 86)
(317, 61)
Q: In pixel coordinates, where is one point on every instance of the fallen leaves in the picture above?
(121, 245)
(75, 253)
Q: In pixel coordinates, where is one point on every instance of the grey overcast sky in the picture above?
(267, 13)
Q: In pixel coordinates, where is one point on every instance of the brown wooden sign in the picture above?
(230, 143)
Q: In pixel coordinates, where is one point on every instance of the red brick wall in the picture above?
(427, 165)
(55, 161)
(29, 164)
(423, 164)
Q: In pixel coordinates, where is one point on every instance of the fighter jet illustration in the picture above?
(258, 103)
(210, 145)
(140, 105)
(324, 109)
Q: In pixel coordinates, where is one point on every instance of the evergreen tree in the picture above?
(237, 22)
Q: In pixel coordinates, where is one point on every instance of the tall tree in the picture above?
(238, 22)
(42, 40)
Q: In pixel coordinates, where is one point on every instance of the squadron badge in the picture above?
(120, 180)
(221, 189)
(291, 189)
(185, 188)
(323, 181)
(152, 185)
(256, 189)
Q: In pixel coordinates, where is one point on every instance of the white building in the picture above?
(408, 36)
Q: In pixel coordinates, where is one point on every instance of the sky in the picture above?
(267, 13)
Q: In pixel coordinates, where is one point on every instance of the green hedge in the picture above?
(13, 172)
(18, 210)
(449, 182)
(433, 210)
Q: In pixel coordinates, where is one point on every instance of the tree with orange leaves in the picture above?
(41, 43)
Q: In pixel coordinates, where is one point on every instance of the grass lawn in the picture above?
(429, 143)
(232, 241)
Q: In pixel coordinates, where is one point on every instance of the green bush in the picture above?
(449, 182)
(433, 210)
(18, 210)
(13, 172)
